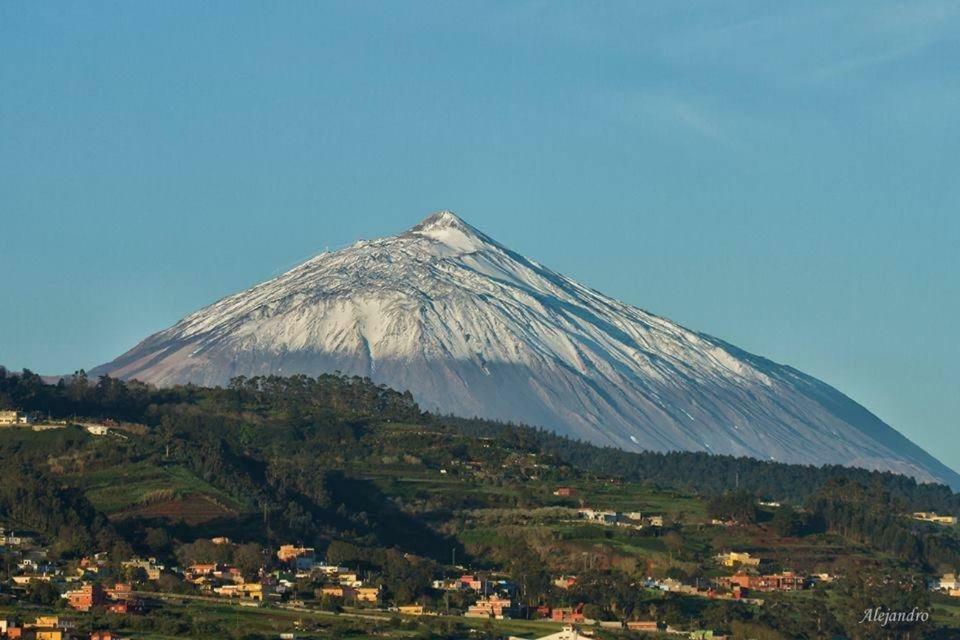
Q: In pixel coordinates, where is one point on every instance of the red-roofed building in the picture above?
(471, 582)
(786, 581)
(86, 597)
(492, 607)
(567, 614)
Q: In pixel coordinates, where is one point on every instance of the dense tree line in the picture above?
(299, 398)
(870, 515)
(34, 502)
(739, 506)
(711, 474)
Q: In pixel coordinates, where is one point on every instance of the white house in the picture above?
(948, 582)
(567, 633)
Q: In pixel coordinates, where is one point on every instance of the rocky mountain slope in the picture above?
(474, 329)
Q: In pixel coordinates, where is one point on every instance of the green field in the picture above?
(117, 489)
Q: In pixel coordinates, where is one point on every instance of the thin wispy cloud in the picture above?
(690, 117)
(796, 46)
(670, 114)
(858, 63)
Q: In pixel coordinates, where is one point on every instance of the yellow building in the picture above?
(349, 579)
(45, 621)
(412, 609)
(734, 558)
(368, 594)
(335, 591)
(249, 590)
(8, 418)
(49, 627)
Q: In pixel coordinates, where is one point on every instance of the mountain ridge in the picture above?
(471, 327)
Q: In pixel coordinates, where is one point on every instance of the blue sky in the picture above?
(781, 175)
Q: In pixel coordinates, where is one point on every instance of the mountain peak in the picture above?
(443, 219)
(447, 228)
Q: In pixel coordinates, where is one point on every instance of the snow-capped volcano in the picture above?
(474, 329)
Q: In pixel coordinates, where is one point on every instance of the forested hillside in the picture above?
(359, 472)
(709, 474)
(301, 401)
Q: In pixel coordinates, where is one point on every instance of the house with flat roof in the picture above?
(13, 418)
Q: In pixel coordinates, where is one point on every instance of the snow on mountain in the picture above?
(474, 329)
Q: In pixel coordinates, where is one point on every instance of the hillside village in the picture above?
(307, 521)
(295, 576)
